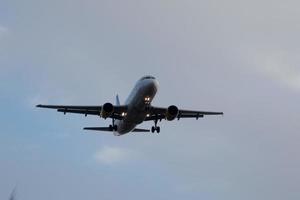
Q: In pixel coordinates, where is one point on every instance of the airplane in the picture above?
(136, 110)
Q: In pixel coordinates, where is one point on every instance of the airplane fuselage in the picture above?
(139, 99)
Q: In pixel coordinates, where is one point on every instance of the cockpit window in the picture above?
(147, 77)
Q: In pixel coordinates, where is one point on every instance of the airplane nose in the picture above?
(153, 84)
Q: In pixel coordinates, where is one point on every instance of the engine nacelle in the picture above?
(107, 110)
(172, 113)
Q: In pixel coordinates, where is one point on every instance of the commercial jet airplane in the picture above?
(136, 110)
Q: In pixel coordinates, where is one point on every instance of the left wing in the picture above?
(87, 110)
(160, 113)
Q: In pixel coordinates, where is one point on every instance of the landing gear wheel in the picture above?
(158, 129)
(153, 129)
(115, 127)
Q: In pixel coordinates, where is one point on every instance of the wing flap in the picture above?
(86, 112)
(190, 116)
(161, 110)
(200, 112)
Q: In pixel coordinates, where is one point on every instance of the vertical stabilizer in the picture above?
(117, 100)
(13, 194)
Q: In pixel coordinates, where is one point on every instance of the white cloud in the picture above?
(285, 72)
(281, 66)
(3, 30)
(111, 155)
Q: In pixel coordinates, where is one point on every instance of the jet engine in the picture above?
(172, 113)
(107, 110)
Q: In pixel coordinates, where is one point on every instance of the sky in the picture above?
(239, 57)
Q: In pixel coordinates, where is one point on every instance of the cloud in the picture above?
(281, 66)
(3, 30)
(282, 71)
(111, 155)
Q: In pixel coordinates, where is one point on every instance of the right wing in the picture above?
(160, 113)
(87, 110)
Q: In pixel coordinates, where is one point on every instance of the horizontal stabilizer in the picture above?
(108, 129)
(98, 129)
(140, 130)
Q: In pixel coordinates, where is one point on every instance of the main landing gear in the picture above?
(113, 127)
(155, 127)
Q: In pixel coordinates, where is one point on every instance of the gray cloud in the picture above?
(282, 66)
(3, 30)
(113, 155)
(236, 57)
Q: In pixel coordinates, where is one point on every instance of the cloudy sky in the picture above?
(239, 57)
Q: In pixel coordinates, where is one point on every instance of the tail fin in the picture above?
(13, 194)
(117, 100)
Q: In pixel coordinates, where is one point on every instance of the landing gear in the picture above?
(113, 127)
(155, 127)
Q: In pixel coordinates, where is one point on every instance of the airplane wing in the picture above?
(160, 113)
(86, 110)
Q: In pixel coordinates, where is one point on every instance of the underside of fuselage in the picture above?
(139, 99)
